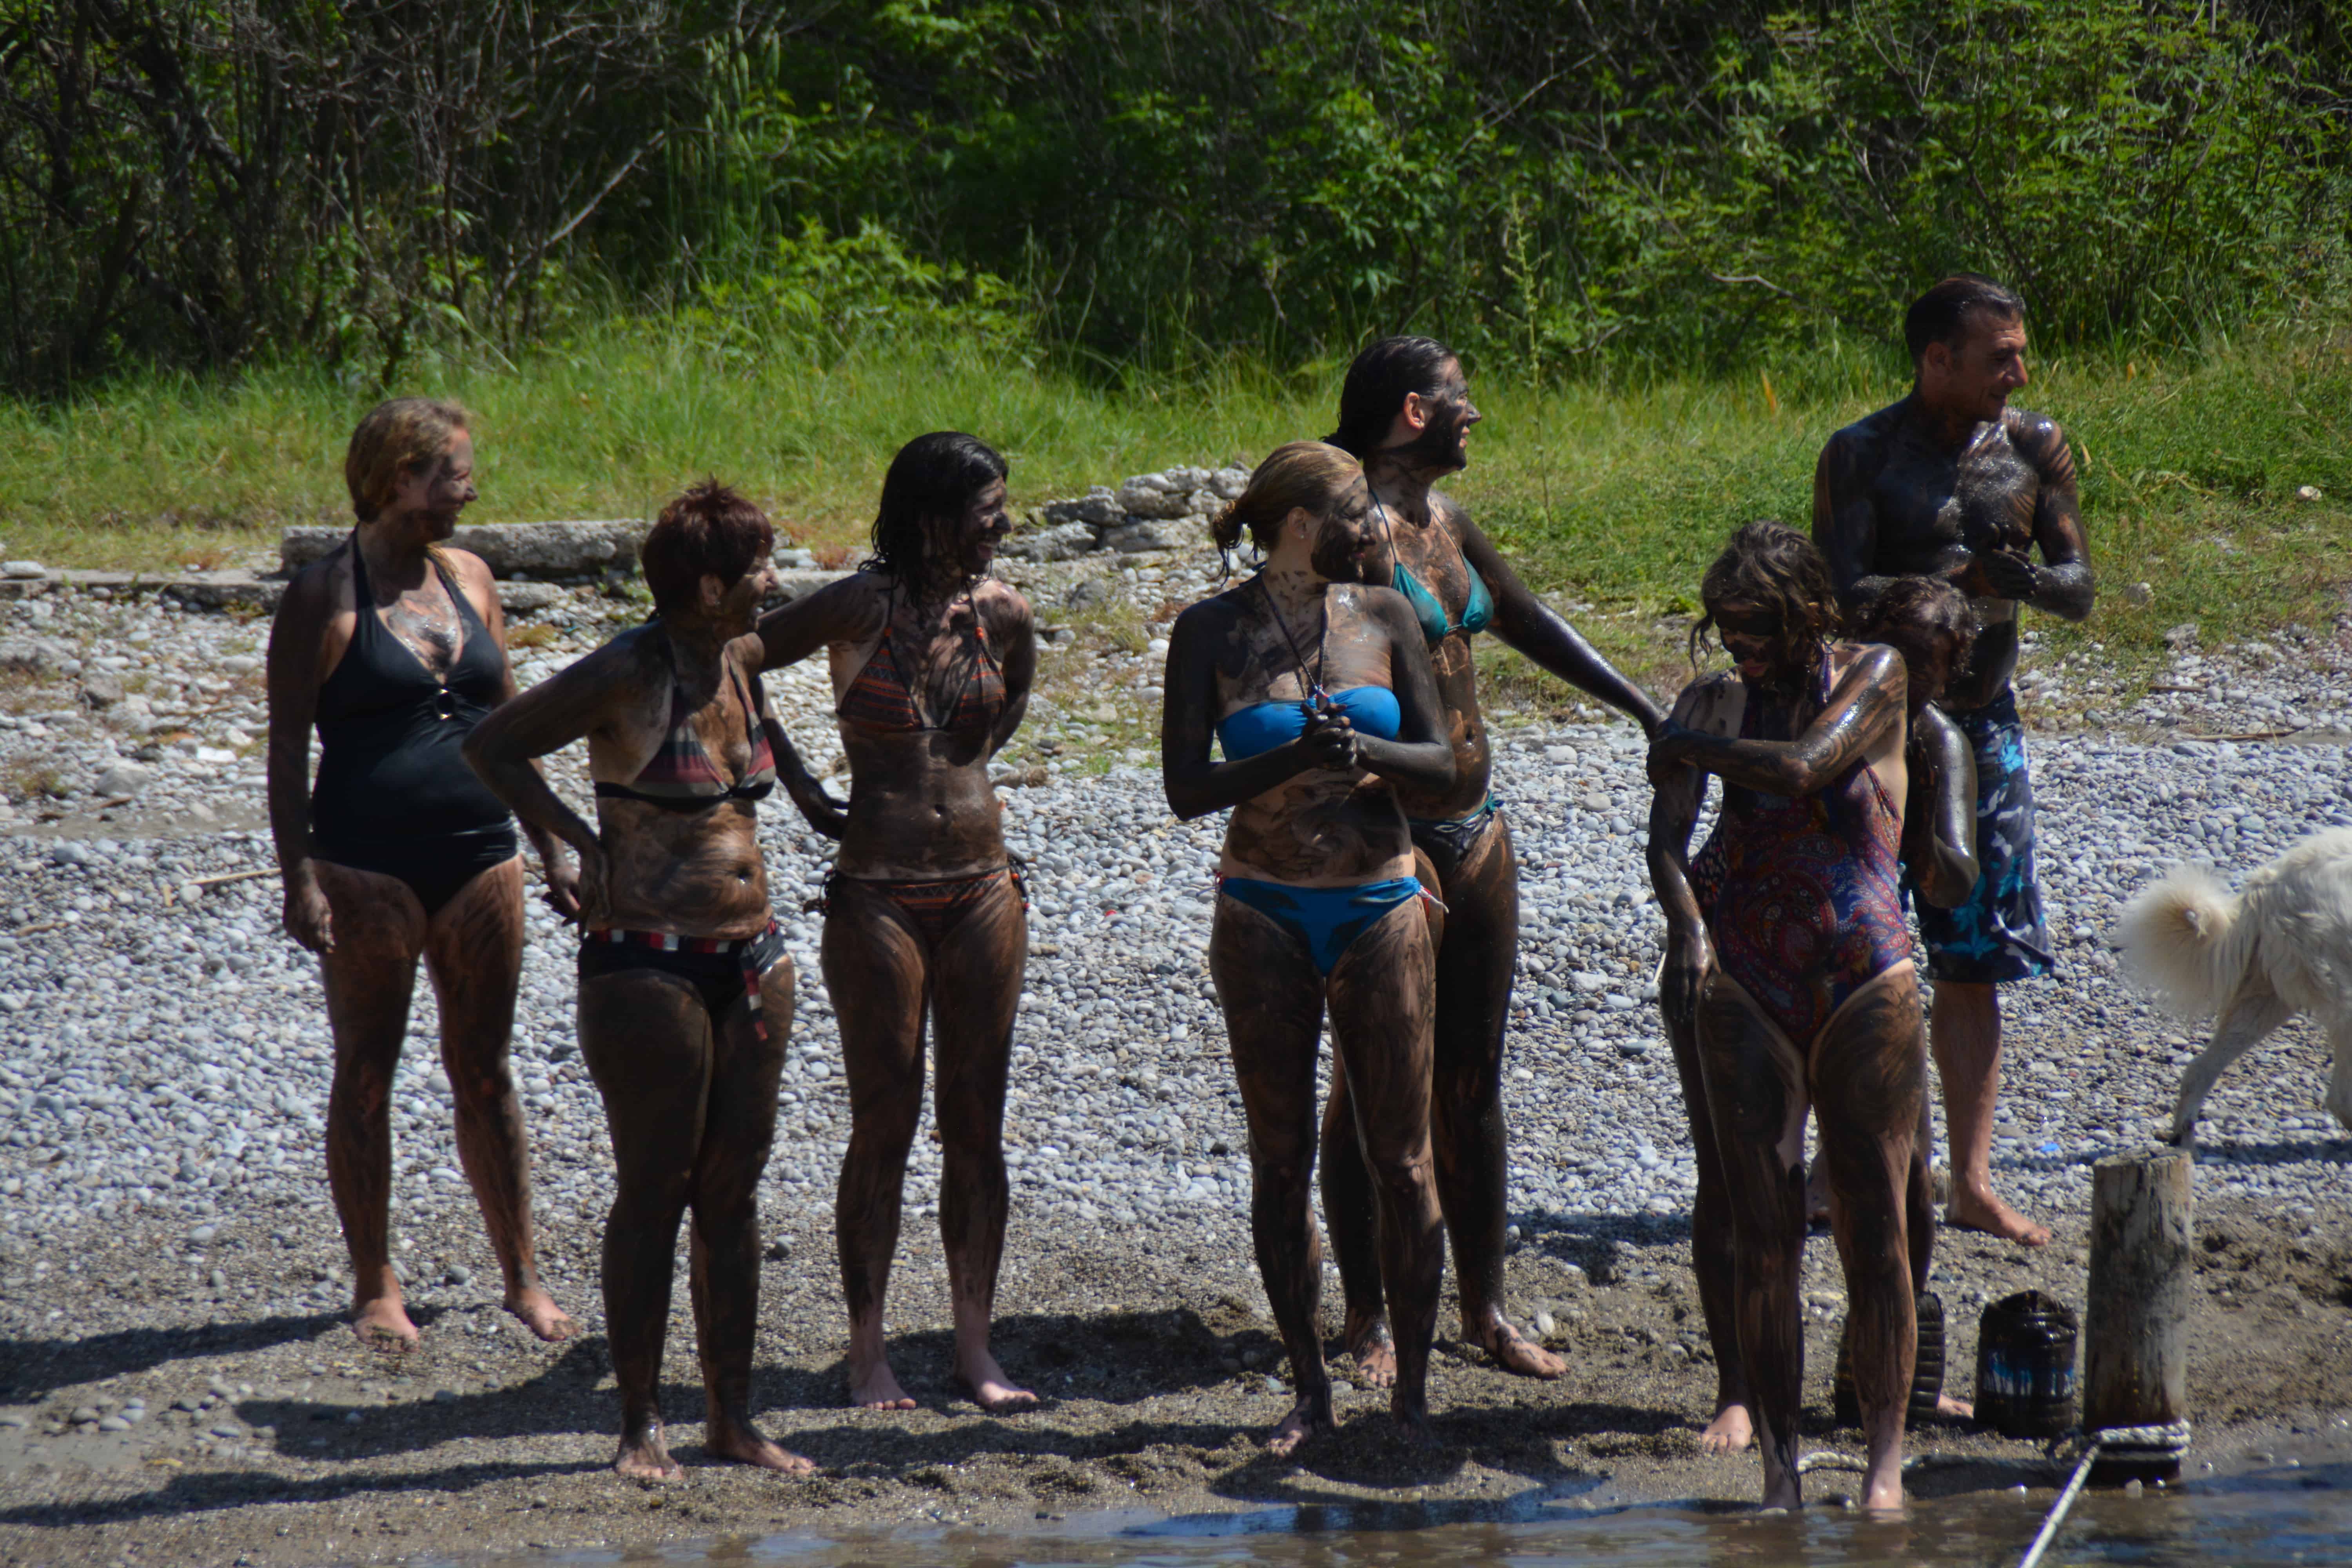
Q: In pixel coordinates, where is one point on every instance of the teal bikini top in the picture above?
(1477, 614)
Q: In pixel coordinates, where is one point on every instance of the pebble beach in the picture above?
(164, 1059)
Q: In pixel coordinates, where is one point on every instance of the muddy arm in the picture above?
(1195, 786)
(1845, 523)
(1534, 629)
(2062, 585)
(559, 710)
(1866, 702)
(1020, 672)
(1677, 790)
(293, 679)
(1939, 830)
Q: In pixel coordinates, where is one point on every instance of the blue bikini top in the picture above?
(1263, 726)
(1477, 614)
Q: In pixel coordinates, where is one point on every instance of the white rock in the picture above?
(22, 569)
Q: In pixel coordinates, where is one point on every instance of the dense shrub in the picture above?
(1616, 182)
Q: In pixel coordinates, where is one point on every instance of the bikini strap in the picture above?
(1313, 683)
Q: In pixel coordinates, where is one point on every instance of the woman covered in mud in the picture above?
(1319, 689)
(1788, 985)
(925, 913)
(1405, 413)
(393, 647)
(685, 992)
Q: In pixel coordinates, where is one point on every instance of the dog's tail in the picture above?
(2182, 939)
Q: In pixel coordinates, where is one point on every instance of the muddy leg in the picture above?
(1350, 1215)
(1475, 964)
(473, 950)
(979, 964)
(1273, 1002)
(874, 968)
(370, 976)
(1351, 1210)
(648, 1042)
(724, 1259)
(1869, 1076)
(1728, 1428)
(1380, 995)
(1756, 1095)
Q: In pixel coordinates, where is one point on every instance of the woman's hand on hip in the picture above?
(562, 893)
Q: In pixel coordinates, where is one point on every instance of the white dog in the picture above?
(2281, 947)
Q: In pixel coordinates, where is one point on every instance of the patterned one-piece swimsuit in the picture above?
(1800, 893)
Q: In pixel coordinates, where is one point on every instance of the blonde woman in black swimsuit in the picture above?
(685, 992)
(931, 664)
(392, 647)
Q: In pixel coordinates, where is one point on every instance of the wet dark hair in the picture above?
(1311, 474)
(1375, 388)
(1772, 566)
(1942, 314)
(711, 528)
(932, 476)
(1915, 615)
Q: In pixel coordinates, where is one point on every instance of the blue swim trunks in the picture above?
(2000, 933)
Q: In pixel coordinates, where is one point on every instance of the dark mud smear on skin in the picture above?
(2274, 1516)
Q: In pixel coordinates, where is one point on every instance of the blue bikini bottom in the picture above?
(1327, 920)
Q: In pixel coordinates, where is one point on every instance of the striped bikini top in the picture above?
(882, 697)
(683, 776)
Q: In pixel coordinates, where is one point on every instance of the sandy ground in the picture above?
(305, 1450)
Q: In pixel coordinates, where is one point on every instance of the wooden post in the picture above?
(2136, 1327)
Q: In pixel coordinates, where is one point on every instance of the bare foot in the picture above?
(979, 1376)
(1983, 1211)
(1304, 1421)
(1514, 1352)
(738, 1441)
(1884, 1494)
(540, 1314)
(1730, 1431)
(384, 1327)
(644, 1458)
(1950, 1409)
(1375, 1354)
(876, 1388)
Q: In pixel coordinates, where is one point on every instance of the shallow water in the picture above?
(2263, 1517)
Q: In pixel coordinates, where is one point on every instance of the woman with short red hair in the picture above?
(686, 991)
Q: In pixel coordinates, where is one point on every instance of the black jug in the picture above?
(2025, 1366)
(1926, 1369)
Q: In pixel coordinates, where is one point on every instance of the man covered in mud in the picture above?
(1953, 483)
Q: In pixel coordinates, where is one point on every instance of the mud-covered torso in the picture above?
(1933, 505)
(1431, 550)
(693, 872)
(921, 704)
(1325, 827)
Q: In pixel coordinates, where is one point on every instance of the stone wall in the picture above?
(1169, 510)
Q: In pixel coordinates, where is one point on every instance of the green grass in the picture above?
(1613, 498)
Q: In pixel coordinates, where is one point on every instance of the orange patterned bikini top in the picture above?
(882, 697)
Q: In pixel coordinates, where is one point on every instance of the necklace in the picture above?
(1316, 695)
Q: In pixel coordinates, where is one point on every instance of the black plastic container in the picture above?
(1926, 1369)
(2025, 1365)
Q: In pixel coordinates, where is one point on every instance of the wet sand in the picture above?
(1157, 1365)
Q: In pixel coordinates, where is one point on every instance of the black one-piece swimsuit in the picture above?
(394, 793)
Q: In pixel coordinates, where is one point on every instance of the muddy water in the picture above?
(2267, 1516)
